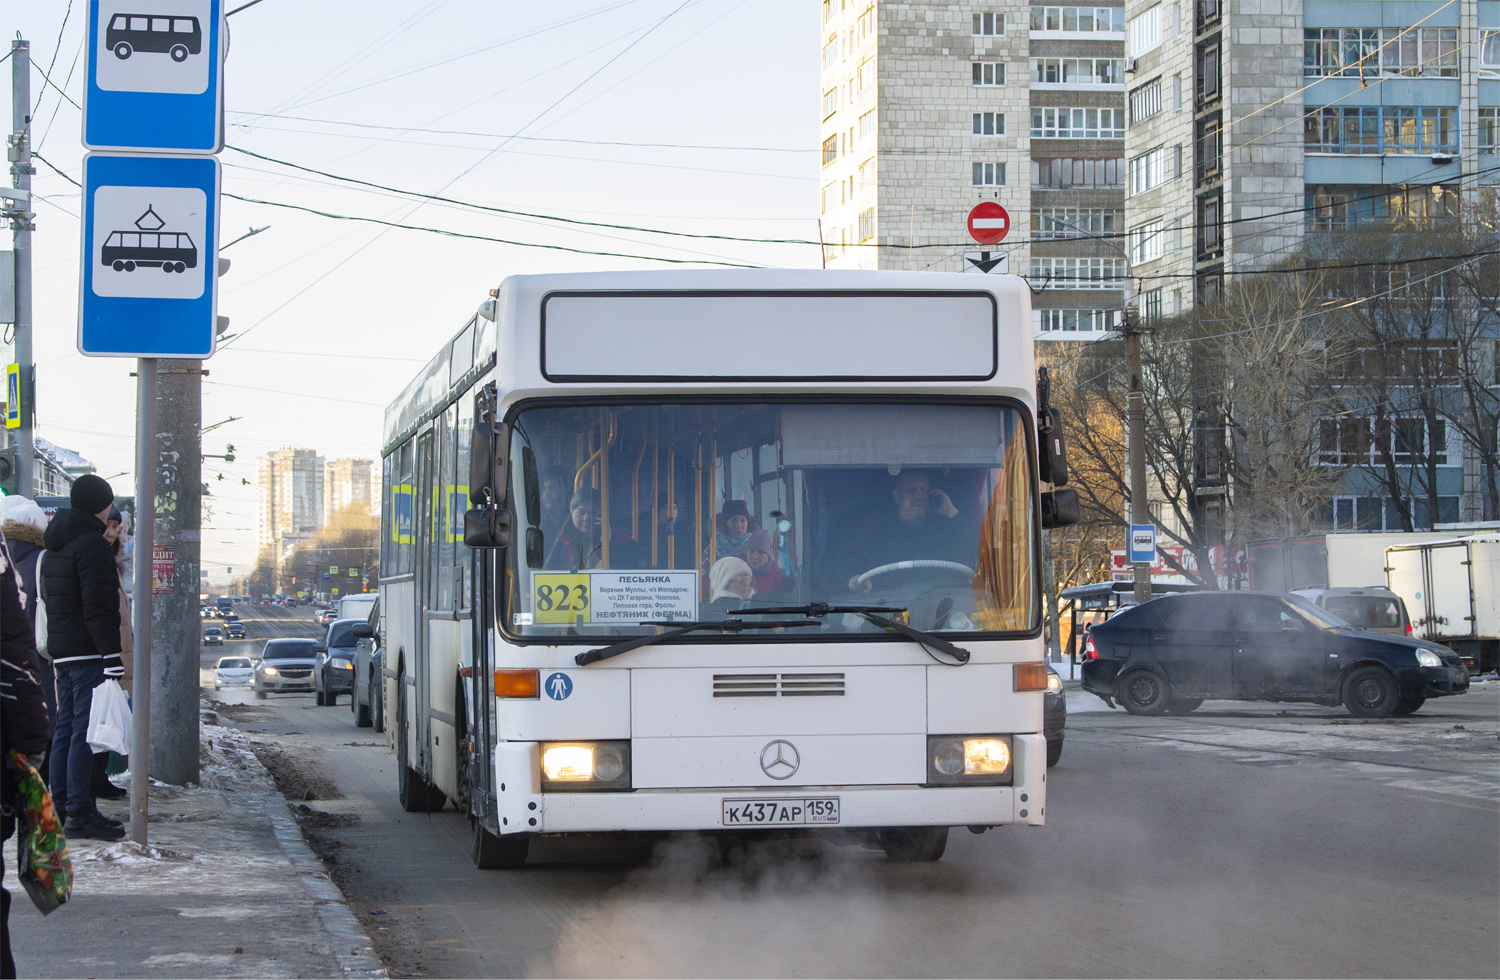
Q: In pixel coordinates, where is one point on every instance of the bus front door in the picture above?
(421, 718)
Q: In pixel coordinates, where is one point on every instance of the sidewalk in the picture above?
(226, 888)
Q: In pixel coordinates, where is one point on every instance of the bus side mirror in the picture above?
(489, 464)
(487, 527)
(1054, 454)
(1060, 508)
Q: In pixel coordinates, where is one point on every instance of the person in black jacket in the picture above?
(23, 723)
(22, 524)
(81, 589)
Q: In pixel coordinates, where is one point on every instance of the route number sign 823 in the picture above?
(560, 597)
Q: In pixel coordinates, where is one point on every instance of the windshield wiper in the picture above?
(732, 625)
(871, 614)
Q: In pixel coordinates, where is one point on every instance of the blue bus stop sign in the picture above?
(155, 76)
(148, 275)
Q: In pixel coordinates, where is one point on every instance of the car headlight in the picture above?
(969, 760)
(1426, 658)
(1054, 683)
(580, 766)
(344, 664)
(270, 671)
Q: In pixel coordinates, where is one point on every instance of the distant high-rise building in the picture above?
(930, 107)
(351, 484)
(289, 498)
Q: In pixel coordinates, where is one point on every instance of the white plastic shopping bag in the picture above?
(109, 719)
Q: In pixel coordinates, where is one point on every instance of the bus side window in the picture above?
(184, 26)
(162, 24)
(465, 556)
(140, 23)
(120, 23)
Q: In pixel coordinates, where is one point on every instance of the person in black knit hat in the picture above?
(81, 590)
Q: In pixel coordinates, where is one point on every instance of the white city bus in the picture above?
(737, 552)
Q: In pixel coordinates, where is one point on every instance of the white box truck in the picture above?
(355, 606)
(1452, 592)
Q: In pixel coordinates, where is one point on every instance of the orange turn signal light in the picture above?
(518, 684)
(1031, 677)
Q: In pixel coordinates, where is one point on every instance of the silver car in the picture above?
(284, 666)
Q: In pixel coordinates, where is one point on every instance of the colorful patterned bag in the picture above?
(43, 865)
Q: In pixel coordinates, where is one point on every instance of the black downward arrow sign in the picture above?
(984, 263)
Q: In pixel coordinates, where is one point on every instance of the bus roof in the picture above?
(761, 330)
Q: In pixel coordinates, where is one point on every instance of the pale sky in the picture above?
(335, 316)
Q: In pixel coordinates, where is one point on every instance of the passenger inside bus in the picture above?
(732, 583)
(731, 531)
(760, 555)
(576, 544)
(920, 522)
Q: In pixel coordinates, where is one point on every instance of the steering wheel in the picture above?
(901, 566)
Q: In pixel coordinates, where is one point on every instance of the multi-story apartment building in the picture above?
(289, 499)
(1260, 131)
(930, 107)
(351, 484)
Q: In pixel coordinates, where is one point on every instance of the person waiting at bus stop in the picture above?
(922, 525)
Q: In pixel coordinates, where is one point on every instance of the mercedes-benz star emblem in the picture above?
(779, 759)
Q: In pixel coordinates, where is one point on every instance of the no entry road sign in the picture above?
(989, 223)
(155, 76)
(148, 280)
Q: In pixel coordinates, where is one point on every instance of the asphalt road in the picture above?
(1241, 840)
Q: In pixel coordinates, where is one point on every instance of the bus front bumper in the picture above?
(524, 808)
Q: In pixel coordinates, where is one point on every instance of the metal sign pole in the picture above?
(145, 540)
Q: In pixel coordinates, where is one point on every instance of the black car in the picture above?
(1054, 716)
(335, 673)
(367, 699)
(1170, 654)
(236, 631)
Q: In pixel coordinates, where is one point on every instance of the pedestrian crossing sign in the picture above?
(13, 396)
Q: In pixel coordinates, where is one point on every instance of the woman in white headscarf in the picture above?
(731, 580)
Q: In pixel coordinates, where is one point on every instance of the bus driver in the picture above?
(913, 531)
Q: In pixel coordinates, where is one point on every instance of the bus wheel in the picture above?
(129, 266)
(168, 268)
(492, 853)
(179, 52)
(117, 265)
(911, 844)
(181, 267)
(122, 50)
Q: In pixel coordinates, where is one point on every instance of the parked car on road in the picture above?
(236, 631)
(335, 674)
(233, 672)
(367, 700)
(1375, 608)
(213, 636)
(1054, 716)
(285, 665)
(1170, 654)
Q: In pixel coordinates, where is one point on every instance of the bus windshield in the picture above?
(632, 514)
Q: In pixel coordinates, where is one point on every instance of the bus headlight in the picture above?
(957, 760)
(582, 766)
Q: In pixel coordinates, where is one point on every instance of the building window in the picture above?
(830, 103)
(1489, 55)
(1151, 305)
(1148, 170)
(1059, 223)
(827, 11)
(1078, 20)
(1489, 131)
(1059, 273)
(1208, 286)
(1210, 230)
(989, 124)
(989, 25)
(828, 197)
(830, 149)
(865, 75)
(830, 53)
(989, 73)
(1380, 129)
(1145, 101)
(1057, 172)
(1207, 71)
(1072, 321)
(866, 25)
(1148, 243)
(1209, 149)
(1431, 52)
(1208, 12)
(1078, 124)
(867, 175)
(1077, 71)
(1176, 92)
(1144, 33)
(1340, 207)
(1359, 442)
(989, 175)
(867, 224)
(867, 124)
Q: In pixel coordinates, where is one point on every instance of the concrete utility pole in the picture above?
(1135, 414)
(20, 172)
(141, 609)
(177, 626)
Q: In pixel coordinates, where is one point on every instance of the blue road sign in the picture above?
(1143, 543)
(148, 281)
(155, 76)
(559, 686)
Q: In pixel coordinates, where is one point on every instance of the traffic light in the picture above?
(10, 472)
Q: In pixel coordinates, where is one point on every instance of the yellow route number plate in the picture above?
(560, 597)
